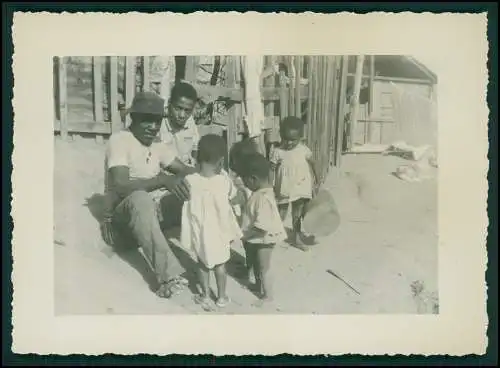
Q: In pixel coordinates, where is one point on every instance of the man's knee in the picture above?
(171, 208)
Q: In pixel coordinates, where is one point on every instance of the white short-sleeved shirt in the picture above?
(184, 141)
(261, 211)
(143, 162)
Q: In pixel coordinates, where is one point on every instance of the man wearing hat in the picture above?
(137, 166)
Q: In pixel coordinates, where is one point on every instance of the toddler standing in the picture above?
(296, 177)
(261, 224)
(209, 225)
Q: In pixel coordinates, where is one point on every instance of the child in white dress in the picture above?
(296, 177)
(209, 225)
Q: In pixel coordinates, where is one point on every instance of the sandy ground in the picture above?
(385, 248)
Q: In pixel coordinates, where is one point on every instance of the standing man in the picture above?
(179, 130)
(136, 185)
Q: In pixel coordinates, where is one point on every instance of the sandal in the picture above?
(204, 302)
(172, 287)
(222, 302)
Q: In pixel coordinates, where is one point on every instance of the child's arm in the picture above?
(314, 169)
(274, 161)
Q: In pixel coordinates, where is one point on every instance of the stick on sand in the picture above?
(341, 279)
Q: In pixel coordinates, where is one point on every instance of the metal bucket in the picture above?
(322, 217)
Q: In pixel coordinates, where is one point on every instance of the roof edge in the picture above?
(432, 76)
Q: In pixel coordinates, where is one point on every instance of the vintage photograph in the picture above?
(245, 184)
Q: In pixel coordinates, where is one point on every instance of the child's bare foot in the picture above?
(263, 301)
(204, 302)
(222, 302)
(297, 242)
(307, 239)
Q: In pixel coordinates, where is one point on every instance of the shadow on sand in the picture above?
(126, 248)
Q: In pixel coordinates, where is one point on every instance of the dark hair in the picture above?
(292, 122)
(183, 89)
(256, 165)
(211, 148)
(238, 153)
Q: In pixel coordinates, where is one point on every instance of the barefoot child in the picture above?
(262, 225)
(209, 225)
(296, 176)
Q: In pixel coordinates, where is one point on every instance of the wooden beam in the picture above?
(129, 84)
(116, 122)
(269, 135)
(92, 127)
(298, 77)
(376, 120)
(63, 97)
(191, 68)
(369, 127)
(334, 107)
(230, 81)
(341, 111)
(283, 96)
(394, 79)
(355, 98)
(237, 94)
(146, 85)
(97, 86)
(309, 92)
(105, 127)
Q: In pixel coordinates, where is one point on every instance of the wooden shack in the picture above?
(92, 94)
(397, 101)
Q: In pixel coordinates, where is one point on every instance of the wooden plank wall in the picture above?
(322, 94)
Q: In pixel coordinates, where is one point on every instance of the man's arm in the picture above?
(123, 185)
(179, 168)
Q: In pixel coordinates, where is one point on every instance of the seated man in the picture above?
(136, 182)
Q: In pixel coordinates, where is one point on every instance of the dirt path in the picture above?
(386, 242)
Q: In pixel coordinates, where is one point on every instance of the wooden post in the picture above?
(341, 111)
(97, 93)
(192, 68)
(113, 94)
(269, 136)
(291, 95)
(63, 96)
(238, 107)
(316, 100)
(310, 104)
(334, 85)
(370, 105)
(298, 75)
(355, 98)
(232, 127)
(283, 96)
(129, 84)
(146, 85)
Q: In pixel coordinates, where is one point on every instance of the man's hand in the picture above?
(107, 231)
(176, 185)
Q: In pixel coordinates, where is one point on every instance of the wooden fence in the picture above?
(316, 94)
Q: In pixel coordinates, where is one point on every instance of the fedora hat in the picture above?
(147, 103)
